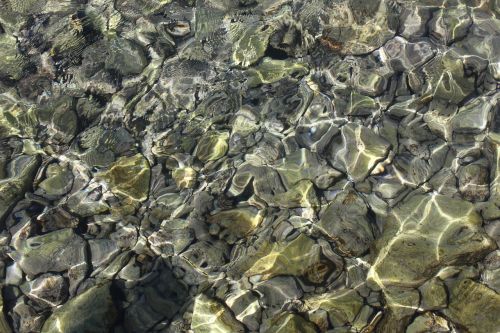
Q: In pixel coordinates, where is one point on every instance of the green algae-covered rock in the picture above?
(21, 172)
(58, 182)
(55, 251)
(342, 306)
(210, 316)
(474, 307)
(212, 146)
(357, 151)
(428, 322)
(16, 118)
(290, 322)
(271, 70)
(251, 45)
(91, 311)
(184, 177)
(296, 257)
(239, 221)
(12, 63)
(345, 221)
(423, 234)
(4, 326)
(125, 56)
(129, 177)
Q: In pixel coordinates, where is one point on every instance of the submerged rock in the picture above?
(277, 291)
(211, 316)
(346, 223)
(47, 288)
(91, 311)
(13, 63)
(359, 27)
(252, 44)
(434, 295)
(157, 298)
(172, 238)
(451, 24)
(184, 177)
(401, 303)
(428, 322)
(16, 118)
(357, 150)
(56, 251)
(473, 182)
(21, 172)
(246, 308)
(125, 56)
(342, 306)
(423, 234)
(298, 257)
(4, 326)
(58, 182)
(240, 221)
(305, 165)
(270, 71)
(473, 117)
(129, 177)
(473, 306)
(249, 166)
(290, 322)
(212, 146)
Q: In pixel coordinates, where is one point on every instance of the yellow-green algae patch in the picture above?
(424, 234)
(129, 177)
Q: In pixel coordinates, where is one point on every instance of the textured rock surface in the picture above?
(129, 177)
(91, 311)
(289, 322)
(293, 258)
(56, 251)
(4, 325)
(473, 306)
(47, 288)
(20, 175)
(341, 306)
(444, 231)
(211, 316)
(357, 151)
(345, 221)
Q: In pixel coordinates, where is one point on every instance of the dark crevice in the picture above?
(275, 53)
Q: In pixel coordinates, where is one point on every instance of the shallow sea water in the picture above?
(273, 166)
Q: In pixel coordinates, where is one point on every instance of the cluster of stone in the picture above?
(270, 166)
